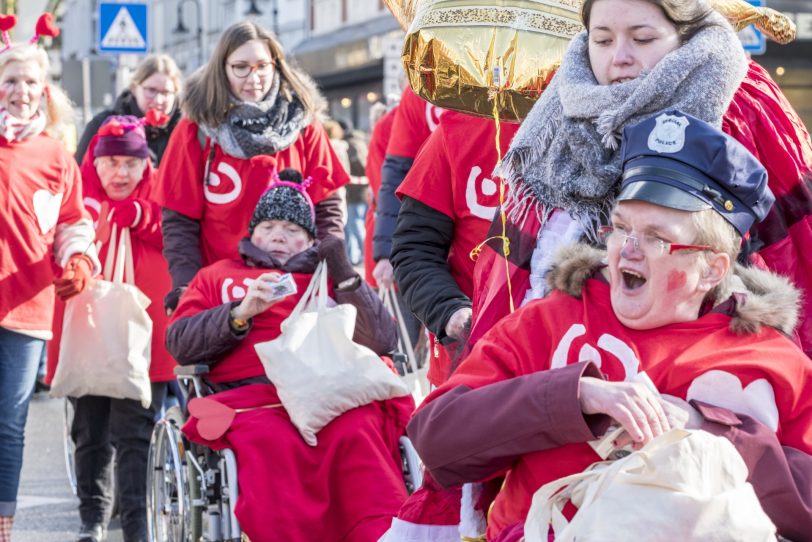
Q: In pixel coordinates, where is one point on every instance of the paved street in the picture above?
(47, 508)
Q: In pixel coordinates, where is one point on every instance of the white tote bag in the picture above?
(416, 379)
(318, 371)
(107, 334)
(683, 485)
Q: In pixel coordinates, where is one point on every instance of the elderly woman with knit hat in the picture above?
(118, 183)
(349, 485)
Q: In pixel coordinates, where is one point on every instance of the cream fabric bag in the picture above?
(416, 379)
(683, 485)
(318, 371)
(106, 341)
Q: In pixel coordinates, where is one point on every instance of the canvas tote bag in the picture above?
(683, 485)
(107, 334)
(318, 371)
(416, 379)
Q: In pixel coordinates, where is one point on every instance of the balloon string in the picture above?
(502, 215)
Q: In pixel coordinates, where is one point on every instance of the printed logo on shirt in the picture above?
(220, 191)
(433, 114)
(607, 343)
(476, 189)
(724, 389)
(46, 209)
(232, 291)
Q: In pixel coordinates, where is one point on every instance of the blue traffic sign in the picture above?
(123, 27)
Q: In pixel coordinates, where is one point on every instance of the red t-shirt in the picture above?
(702, 359)
(40, 187)
(414, 122)
(227, 281)
(456, 180)
(224, 204)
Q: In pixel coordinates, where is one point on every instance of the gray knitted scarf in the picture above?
(565, 155)
(264, 127)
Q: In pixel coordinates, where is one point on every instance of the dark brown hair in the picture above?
(688, 16)
(207, 97)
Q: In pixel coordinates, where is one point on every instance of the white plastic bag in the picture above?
(107, 334)
(683, 485)
(318, 371)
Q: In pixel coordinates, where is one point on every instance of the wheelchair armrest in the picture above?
(191, 370)
(401, 363)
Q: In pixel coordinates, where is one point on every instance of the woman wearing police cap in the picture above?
(638, 57)
(665, 298)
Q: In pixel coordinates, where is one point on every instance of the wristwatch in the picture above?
(237, 323)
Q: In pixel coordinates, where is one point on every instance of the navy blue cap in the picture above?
(678, 161)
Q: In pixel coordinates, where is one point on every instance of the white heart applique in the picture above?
(46, 207)
(724, 389)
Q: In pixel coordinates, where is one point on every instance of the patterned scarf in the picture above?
(265, 127)
(14, 129)
(565, 155)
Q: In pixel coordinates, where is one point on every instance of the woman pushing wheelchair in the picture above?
(666, 299)
(350, 483)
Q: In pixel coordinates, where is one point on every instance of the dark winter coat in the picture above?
(420, 246)
(157, 137)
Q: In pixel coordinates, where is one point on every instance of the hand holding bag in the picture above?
(683, 485)
(107, 334)
(318, 371)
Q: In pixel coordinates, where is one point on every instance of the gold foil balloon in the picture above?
(495, 57)
(773, 24)
(487, 57)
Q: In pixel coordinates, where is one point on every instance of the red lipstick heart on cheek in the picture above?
(676, 280)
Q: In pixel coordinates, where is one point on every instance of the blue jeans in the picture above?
(19, 359)
(354, 231)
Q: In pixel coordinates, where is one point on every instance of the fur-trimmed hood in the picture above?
(761, 297)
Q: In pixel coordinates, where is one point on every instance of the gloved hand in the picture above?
(128, 213)
(333, 250)
(75, 277)
(172, 299)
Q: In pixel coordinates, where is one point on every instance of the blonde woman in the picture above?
(156, 84)
(247, 101)
(44, 224)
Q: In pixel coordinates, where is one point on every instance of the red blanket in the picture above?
(347, 488)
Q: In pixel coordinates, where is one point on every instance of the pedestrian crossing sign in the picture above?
(122, 27)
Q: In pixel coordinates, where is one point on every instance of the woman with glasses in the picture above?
(635, 58)
(118, 183)
(666, 299)
(155, 85)
(246, 102)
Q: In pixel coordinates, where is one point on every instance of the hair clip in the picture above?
(45, 27)
(7, 22)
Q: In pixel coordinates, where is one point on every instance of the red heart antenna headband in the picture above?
(45, 27)
(117, 128)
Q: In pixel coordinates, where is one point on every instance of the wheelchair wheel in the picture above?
(171, 514)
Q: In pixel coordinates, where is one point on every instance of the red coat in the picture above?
(762, 120)
(151, 272)
(375, 157)
(225, 202)
(40, 188)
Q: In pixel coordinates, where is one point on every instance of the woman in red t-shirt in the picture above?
(245, 102)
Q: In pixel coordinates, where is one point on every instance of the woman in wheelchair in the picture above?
(350, 484)
(665, 298)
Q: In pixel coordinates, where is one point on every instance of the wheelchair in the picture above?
(192, 490)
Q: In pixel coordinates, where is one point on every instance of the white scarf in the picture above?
(15, 129)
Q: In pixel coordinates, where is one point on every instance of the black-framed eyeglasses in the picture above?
(243, 69)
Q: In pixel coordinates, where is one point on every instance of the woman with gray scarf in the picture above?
(637, 57)
(246, 102)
